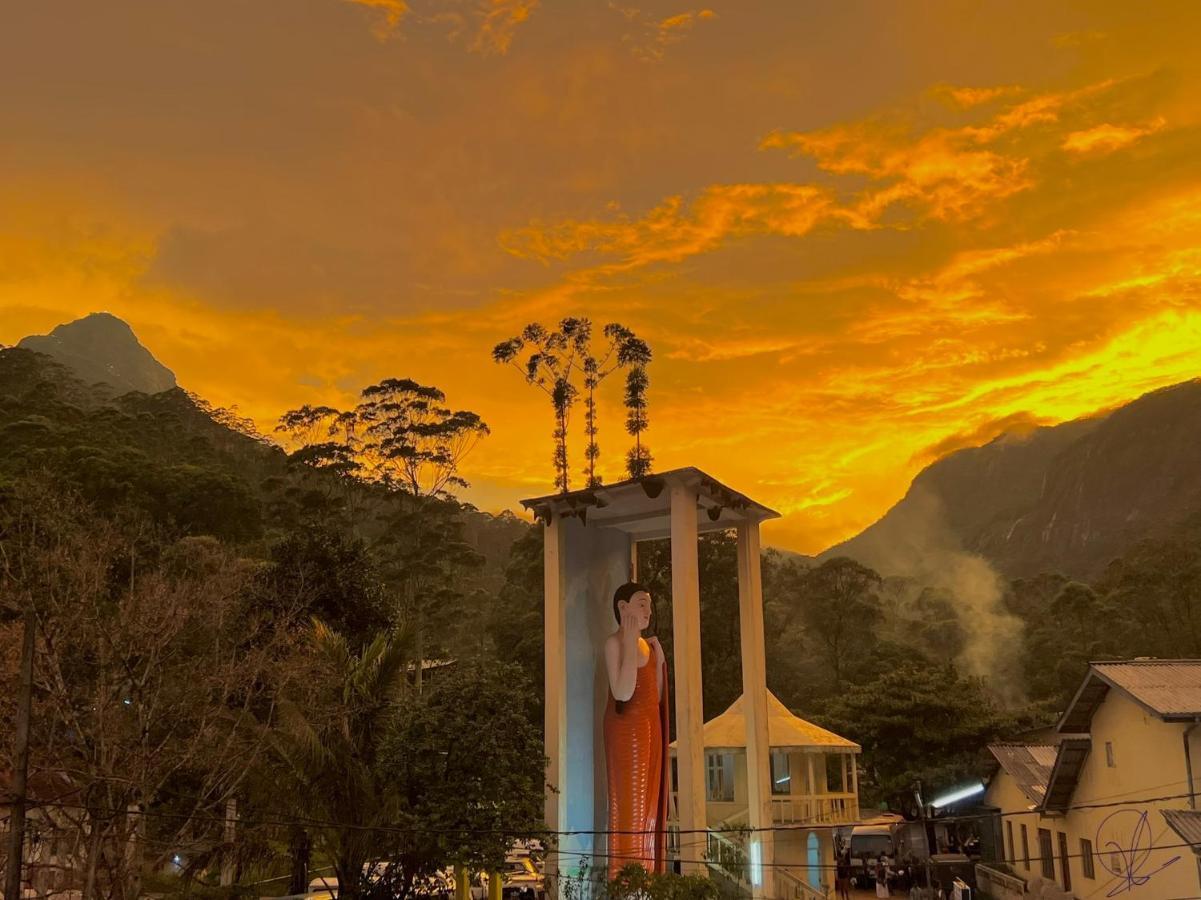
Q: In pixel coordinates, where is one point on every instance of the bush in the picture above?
(635, 883)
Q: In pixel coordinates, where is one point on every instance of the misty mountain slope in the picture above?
(100, 348)
(1066, 498)
(64, 409)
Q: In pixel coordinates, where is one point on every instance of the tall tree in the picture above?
(559, 357)
(402, 439)
(636, 355)
(918, 721)
(838, 602)
(328, 738)
(153, 659)
(468, 762)
(549, 366)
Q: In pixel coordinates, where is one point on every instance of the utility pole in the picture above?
(921, 807)
(228, 865)
(16, 820)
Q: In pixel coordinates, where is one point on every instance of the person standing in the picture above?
(882, 873)
(842, 875)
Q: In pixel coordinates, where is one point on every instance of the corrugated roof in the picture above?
(1070, 754)
(1186, 823)
(783, 729)
(1167, 687)
(1028, 764)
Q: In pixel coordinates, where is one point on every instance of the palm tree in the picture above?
(328, 742)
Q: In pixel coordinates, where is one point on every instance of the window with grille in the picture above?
(1025, 849)
(1086, 858)
(1011, 855)
(720, 767)
(1046, 854)
(1064, 864)
(781, 775)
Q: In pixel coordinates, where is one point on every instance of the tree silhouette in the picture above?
(411, 440)
(402, 437)
(549, 367)
(636, 354)
(555, 359)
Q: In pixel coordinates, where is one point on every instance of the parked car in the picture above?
(324, 886)
(522, 880)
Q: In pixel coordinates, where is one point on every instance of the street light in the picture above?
(957, 795)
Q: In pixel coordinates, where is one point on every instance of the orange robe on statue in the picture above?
(636, 761)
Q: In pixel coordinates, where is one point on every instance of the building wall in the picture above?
(595, 561)
(1148, 762)
(791, 844)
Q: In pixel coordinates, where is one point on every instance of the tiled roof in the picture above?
(783, 729)
(642, 506)
(1028, 764)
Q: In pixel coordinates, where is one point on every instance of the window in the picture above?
(1010, 854)
(781, 775)
(1086, 858)
(1046, 854)
(721, 777)
(1025, 848)
(1063, 862)
(1109, 755)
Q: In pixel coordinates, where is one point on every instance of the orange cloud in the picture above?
(1015, 425)
(967, 97)
(652, 36)
(951, 173)
(494, 21)
(824, 320)
(1107, 138)
(501, 19)
(675, 230)
(391, 12)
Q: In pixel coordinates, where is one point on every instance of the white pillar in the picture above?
(754, 704)
(686, 634)
(812, 784)
(555, 719)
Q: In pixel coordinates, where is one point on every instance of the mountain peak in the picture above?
(1061, 498)
(101, 347)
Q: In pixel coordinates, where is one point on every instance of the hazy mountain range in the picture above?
(1065, 498)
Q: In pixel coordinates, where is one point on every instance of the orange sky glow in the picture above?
(855, 235)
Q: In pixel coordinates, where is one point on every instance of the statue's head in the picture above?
(637, 599)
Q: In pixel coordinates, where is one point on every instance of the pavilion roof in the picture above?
(642, 506)
(785, 731)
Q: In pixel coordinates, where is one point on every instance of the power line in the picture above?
(579, 832)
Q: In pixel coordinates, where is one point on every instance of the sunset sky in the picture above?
(856, 235)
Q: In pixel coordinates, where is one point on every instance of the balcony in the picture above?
(823, 809)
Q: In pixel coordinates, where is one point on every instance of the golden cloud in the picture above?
(1107, 138)
(966, 97)
(675, 230)
(500, 19)
(391, 13)
(652, 36)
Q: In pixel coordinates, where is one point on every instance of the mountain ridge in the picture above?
(1067, 497)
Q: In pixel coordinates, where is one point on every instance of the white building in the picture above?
(814, 781)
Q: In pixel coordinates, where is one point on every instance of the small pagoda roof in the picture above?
(785, 731)
(642, 506)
